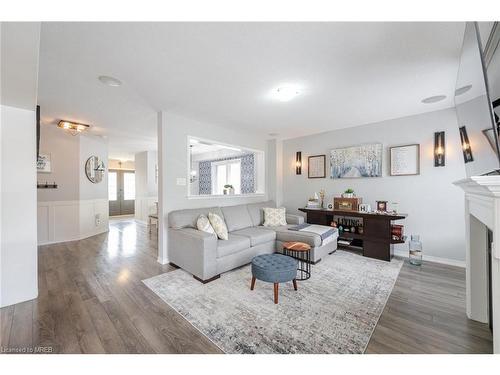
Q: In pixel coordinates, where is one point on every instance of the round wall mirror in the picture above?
(94, 169)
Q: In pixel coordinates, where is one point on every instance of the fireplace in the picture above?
(482, 229)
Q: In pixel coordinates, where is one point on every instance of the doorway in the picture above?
(121, 192)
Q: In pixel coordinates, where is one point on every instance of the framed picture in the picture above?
(356, 161)
(43, 163)
(316, 166)
(405, 160)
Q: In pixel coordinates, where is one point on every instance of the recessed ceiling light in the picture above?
(433, 99)
(285, 93)
(462, 90)
(273, 134)
(110, 81)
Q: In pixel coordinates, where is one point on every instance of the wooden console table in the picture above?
(376, 240)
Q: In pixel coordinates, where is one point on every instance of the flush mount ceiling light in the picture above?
(285, 93)
(73, 127)
(433, 99)
(110, 81)
(462, 90)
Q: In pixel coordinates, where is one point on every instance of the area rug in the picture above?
(335, 311)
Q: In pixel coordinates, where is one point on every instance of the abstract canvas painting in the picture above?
(356, 161)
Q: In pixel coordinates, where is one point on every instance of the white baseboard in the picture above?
(430, 258)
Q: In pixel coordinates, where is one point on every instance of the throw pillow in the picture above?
(219, 225)
(274, 217)
(204, 225)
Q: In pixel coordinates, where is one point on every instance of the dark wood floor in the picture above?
(92, 300)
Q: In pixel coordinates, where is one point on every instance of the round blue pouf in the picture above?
(274, 268)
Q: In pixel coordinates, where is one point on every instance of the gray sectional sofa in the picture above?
(206, 257)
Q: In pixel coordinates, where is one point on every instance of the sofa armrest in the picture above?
(294, 219)
(193, 250)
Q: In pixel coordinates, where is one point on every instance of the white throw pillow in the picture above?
(219, 225)
(204, 225)
(274, 217)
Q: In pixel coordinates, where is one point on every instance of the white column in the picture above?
(275, 170)
(162, 193)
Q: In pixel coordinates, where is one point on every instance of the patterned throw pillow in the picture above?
(274, 217)
(219, 225)
(204, 225)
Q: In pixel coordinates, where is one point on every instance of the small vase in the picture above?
(415, 254)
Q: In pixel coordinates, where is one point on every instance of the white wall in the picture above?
(78, 208)
(435, 207)
(146, 184)
(18, 256)
(176, 148)
(20, 43)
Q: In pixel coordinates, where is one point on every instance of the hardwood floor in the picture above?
(91, 300)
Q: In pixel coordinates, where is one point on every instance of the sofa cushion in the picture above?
(274, 217)
(236, 217)
(232, 245)
(187, 218)
(256, 212)
(257, 235)
(204, 225)
(219, 225)
(285, 235)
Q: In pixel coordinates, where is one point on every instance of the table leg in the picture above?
(253, 283)
(295, 284)
(276, 293)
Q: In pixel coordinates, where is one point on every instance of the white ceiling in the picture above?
(350, 74)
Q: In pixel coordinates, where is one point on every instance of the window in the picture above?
(226, 173)
(213, 165)
(112, 186)
(128, 186)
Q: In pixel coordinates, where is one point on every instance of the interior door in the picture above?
(121, 192)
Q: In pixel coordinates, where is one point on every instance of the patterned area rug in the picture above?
(335, 311)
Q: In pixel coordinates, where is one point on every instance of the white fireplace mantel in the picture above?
(482, 209)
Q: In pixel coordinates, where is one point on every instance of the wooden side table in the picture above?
(302, 252)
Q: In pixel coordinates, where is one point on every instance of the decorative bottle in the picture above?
(415, 254)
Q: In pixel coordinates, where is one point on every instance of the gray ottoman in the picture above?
(274, 268)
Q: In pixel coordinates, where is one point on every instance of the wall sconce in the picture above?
(466, 149)
(298, 163)
(439, 149)
(72, 127)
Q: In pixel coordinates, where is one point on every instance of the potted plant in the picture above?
(228, 189)
(349, 193)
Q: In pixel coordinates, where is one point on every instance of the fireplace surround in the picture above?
(482, 215)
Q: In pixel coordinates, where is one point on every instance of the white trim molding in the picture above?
(430, 258)
(62, 221)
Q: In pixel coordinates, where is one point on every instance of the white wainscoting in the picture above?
(144, 206)
(61, 221)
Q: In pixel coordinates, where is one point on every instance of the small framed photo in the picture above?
(382, 206)
(316, 166)
(405, 160)
(43, 163)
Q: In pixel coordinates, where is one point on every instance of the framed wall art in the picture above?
(43, 164)
(405, 160)
(316, 166)
(356, 161)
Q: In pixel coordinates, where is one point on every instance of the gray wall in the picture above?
(64, 151)
(68, 156)
(434, 205)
